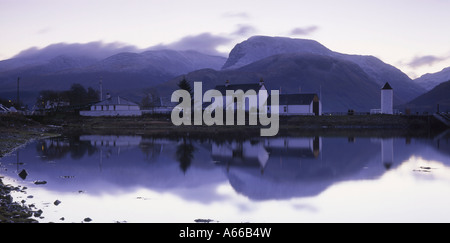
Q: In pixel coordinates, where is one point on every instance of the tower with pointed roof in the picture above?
(387, 99)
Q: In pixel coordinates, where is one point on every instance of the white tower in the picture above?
(387, 99)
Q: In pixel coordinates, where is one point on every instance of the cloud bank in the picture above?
(429, 60)
(304, 30)
(96, 49)
(241, 15)
(244, 30)
(205, 42)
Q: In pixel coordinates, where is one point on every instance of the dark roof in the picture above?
(3, 108)
(244, 87)
(387, 86)
(116, 100)
(294, 99)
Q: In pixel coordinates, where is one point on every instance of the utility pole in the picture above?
(18, 93)
(101, 88)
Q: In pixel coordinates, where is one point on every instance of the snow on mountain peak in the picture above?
(259, 47)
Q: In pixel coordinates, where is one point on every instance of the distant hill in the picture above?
(157, 61)
(345, 81)
(342, 84)
(431, 80)
(429, 101)
(258, 47)
(121, 72)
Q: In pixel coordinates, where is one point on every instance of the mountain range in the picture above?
(258, 47)
(429, 102)
(342, 85)
(431, 80)
(120, 72)
(291, 65)
(344, 81)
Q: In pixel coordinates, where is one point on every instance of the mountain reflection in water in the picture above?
(260, 169)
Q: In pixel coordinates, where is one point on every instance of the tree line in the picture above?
(76, 95)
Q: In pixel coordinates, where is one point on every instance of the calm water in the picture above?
(283, 179)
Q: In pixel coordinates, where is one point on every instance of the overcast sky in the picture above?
(412, 35)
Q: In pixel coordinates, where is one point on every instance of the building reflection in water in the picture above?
(387, 152)
(302, 147)
(257, 152)
(111, 141)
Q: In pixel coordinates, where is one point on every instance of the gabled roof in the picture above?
(294, 99)
(3, 108)
(387, 86)
(116, 100)
(244, 87)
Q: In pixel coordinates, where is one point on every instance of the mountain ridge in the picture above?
(290, 63)
(121, 71)
(295, 72)
(258, 47)
(431, 80)
(429, 101)
(267, 46)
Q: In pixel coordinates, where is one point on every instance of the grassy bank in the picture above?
(370, 125)
(16, 130)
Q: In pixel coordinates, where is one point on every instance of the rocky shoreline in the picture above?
(16, 131)
(13, 212)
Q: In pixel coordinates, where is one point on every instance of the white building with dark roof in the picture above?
(289, 104)
(250, 99)
(114, 106)
(299, 104)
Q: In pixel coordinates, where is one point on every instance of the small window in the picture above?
(285, 109)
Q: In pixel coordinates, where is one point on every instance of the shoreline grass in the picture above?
(399, 125)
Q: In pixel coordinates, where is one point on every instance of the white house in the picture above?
(250, 92)
(113, 106)
(289, 104)
(299, 104)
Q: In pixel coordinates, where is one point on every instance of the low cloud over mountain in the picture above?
(206, 43)
(95, 49)
(304, 30)
(429, 60)
(344, 81)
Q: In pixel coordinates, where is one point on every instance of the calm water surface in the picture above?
(282, 179)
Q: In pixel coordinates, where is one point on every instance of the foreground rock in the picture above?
(10, 211)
